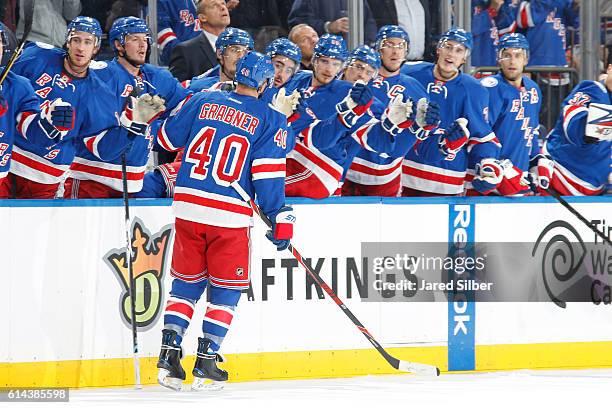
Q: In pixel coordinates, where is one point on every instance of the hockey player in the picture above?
(177, 21)
(317, 171)
(63, 76)
(286, 57)
(514, 108)
(96, 170)
(491, 20)
(227, 137)
(576, 156)
(372, 173)
(545, 22)
(20, 117)
(231, 45)
(459, 95)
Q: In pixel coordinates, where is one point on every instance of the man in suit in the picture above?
(197, 55)
(330, 16)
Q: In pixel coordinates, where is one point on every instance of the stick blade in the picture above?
(424, 370)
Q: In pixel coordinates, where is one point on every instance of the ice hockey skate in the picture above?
(206, 375)
(171, 374)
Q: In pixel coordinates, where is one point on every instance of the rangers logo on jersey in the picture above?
(63, 82)
(43, 79)
(127, 90)
(437, 87)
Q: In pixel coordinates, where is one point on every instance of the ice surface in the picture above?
(517, 389)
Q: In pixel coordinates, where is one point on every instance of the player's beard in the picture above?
(77, 67)
(132, 61)
(515, 76)
(389, 69)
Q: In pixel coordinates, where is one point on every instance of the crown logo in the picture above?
(148, 265)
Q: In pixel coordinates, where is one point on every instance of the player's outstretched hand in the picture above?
(3, 104)
(452, 139)
(147, 107)
(57, 118)
(398, 115)
(140, 112)
(355, 104)
(287, 104)
(489, 173)
(427, 114)
(362, 95)
(282, 227)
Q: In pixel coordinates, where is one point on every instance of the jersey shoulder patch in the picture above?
(46, 46)
(489, 82)
(98, 64)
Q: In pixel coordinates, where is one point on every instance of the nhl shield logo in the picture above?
(239, 272)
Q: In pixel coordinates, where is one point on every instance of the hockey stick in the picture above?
(132, 283)
(571, 209)
(416, 368)
(28, 16)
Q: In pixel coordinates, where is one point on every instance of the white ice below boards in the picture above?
(526, 388)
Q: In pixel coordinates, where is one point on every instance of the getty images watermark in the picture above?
(422, 271)
(557, 271)
(385, 269)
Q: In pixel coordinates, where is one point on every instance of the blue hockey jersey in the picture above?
(514, 117)
(461, 97)
(376, 169)
(488, 26)
(20, 119)
(177, 21)
(330, 161)
(582, 168)
(545, 22)
(227, 137)
(95, 112)
(199, 84)
(98, 158)
(203, 81)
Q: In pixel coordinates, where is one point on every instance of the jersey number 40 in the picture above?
(228, 161)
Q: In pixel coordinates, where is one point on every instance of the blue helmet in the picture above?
(86, 25)
(254, 69)
(284, 47)
(513, 40)
(458, 35)
(391, 31)
(332, 46)
(366, 54)
(127, 25)
(233, 36)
